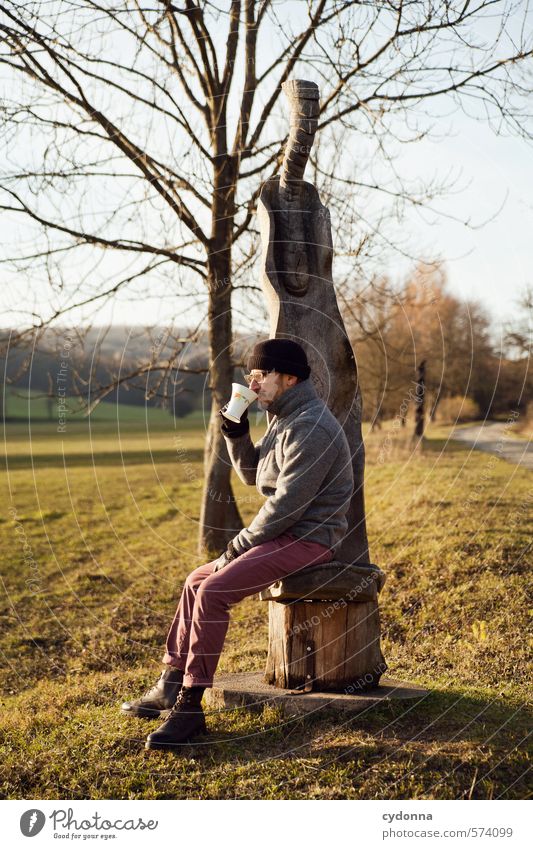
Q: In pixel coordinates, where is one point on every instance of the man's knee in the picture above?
(213, 593)
(196, 578)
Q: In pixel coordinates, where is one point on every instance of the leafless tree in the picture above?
(518, 334)
(137, 136)
(394, 327)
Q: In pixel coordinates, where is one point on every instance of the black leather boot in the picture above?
(160, 698)
(185, 722)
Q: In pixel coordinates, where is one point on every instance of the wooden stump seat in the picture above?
(328, 582)
(324, 629)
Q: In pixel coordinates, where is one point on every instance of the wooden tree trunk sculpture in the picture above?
(324, 621)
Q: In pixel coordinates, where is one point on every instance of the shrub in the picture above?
(458, 409)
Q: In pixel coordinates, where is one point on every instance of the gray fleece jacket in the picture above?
(304, 468)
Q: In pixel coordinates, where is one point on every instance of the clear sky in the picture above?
(491, 262)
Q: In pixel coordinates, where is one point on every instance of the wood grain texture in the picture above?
(346, 637)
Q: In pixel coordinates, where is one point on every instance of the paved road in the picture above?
(497, 438)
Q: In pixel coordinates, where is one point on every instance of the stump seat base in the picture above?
(334, 645)
(249, 690)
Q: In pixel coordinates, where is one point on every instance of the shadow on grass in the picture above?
(435, 716)
(103, 458)
(460, 746)
(442, 716)
(447, 446)
(448, 745)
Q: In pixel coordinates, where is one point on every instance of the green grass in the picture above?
(22, 406)
(102, 536)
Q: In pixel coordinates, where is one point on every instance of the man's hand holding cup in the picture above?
(235, 413)
(241, 398)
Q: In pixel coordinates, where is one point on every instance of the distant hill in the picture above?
(66, 363)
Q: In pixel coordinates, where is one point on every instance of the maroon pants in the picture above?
(197, 633)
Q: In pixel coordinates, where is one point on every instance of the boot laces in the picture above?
(151, 692)
(185, 698)
(154, 691)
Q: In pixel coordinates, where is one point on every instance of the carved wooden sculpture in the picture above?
(311, 642)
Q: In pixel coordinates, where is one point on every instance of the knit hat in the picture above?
(282, 355)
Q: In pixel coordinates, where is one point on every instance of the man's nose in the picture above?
(254, 385)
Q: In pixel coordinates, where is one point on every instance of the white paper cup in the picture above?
(241, 398)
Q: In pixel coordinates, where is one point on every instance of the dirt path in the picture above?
(496, 438)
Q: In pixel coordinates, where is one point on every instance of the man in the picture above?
(304, 468)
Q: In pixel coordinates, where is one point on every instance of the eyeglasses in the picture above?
(258, 376)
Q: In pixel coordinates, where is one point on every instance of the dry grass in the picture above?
(102, 537)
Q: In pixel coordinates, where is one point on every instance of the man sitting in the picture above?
(303, 467)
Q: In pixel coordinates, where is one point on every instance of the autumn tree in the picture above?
(397, 327)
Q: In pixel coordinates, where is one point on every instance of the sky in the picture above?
(490, 261)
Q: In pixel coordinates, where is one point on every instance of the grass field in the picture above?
(21, 405)
(98, 534)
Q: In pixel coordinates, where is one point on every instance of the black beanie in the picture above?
(282, 355)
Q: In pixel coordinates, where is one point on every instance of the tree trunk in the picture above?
(436, 402)
(419, 401)
(220, 519)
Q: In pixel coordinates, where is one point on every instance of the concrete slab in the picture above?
(248, 689)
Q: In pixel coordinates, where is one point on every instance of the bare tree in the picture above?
(518, 334)
(394, 327)
(138, 136)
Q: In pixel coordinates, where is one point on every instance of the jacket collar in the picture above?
(292, 399)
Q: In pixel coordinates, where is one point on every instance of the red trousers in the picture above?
(198, 631)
